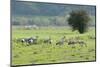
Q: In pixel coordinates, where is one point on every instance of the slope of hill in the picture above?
(46, 9)
(44, 14)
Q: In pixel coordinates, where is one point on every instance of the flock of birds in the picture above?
(49, 40)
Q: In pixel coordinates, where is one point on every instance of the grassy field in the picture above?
(51, 53)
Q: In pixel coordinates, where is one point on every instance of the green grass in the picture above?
(50, 53)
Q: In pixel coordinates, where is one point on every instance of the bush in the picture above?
(78, 20)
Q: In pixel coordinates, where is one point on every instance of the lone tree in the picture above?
(78, 20)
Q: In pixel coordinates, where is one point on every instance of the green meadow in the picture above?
(42, 53)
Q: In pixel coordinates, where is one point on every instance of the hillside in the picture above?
(44, 14)
(46, 9)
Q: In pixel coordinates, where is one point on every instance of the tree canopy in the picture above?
(78, 20)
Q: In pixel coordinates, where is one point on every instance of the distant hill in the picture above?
(45, 14)
(46, 9)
